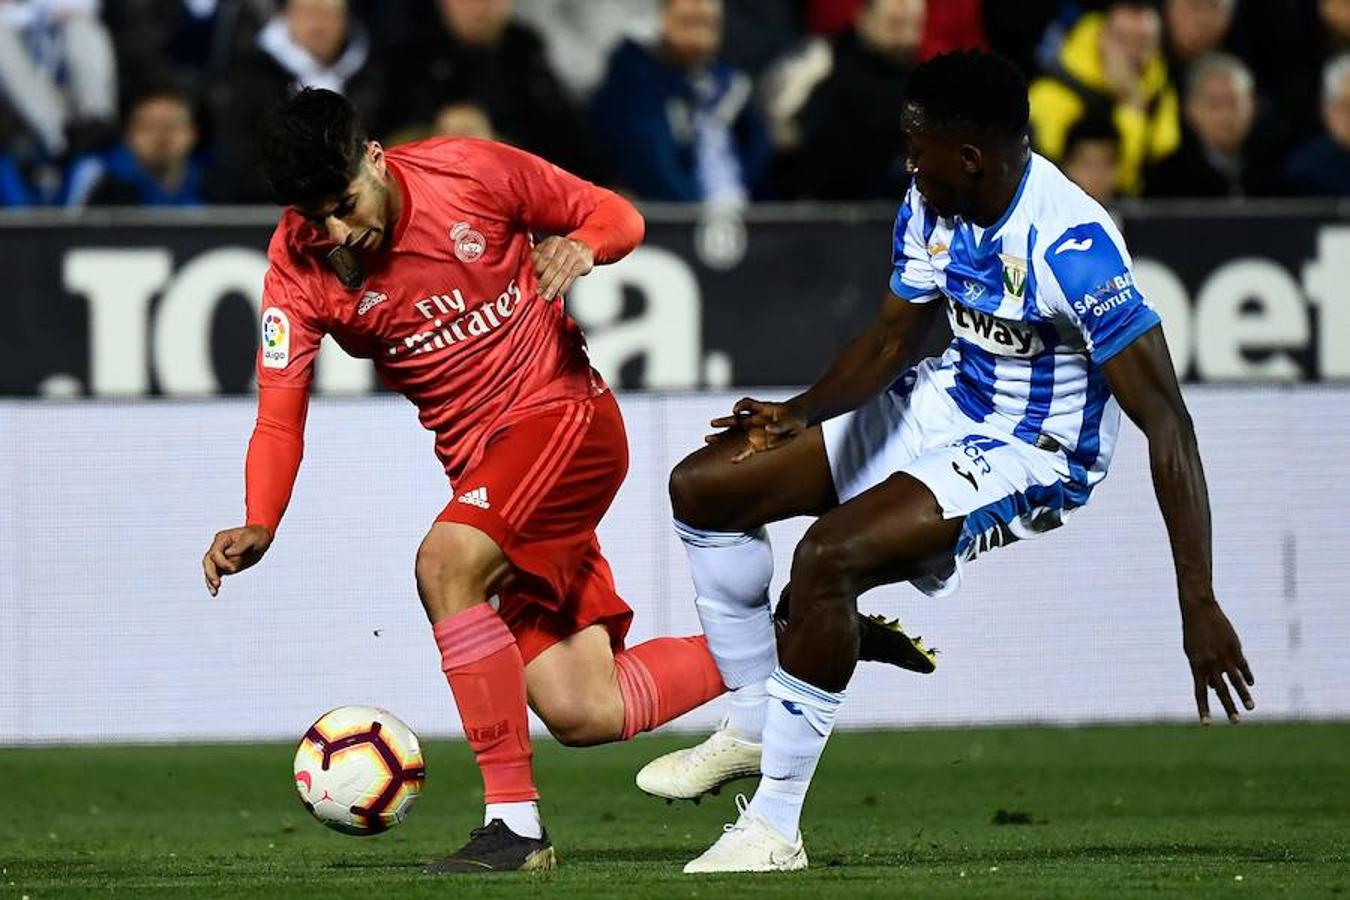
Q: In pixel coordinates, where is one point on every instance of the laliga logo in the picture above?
(469, 242)
(274, 329)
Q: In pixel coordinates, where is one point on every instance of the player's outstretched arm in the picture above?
(1142, 379)
(274, 453)
(865, 367)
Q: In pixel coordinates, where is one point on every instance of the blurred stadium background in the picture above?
(760, 139)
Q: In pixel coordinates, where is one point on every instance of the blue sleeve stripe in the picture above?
(1123, 333)
(908, 291)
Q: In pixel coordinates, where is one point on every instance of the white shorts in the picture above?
(1005, 488)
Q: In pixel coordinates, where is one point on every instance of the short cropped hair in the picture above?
(312, 146)
(974, 88)
(1091, 127)
(1333, 76)
(1212, 63)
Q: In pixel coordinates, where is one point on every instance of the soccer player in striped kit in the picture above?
(915, 468)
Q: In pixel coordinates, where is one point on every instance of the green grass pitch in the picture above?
(1255, 811)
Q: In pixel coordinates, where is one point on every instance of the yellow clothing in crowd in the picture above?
(1147, 134)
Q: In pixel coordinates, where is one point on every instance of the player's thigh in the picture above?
(891, 532)
(708, 490)
(574, 688)
(458, 566)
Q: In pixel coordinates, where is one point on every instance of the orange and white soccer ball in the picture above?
(358, 769)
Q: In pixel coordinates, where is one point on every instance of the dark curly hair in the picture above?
(973, 88)
(312, 146)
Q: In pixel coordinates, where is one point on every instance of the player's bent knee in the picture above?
(822, 556)
(817, 556)
(454, 572)
(690, 494)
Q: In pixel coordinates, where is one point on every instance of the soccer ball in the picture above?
(358, 769)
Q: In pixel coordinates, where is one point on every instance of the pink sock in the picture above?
(487, 676)
(663, 679)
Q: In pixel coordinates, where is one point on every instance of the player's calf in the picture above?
(821, 647)
(879, 639)
(587, 695)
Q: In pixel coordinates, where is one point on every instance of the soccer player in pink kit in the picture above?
(421, 259)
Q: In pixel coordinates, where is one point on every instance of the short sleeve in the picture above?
(911, 267)
(290, 332)
(1093, 272)
(532, 190)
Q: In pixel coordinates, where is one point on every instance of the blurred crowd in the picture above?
(157, 102)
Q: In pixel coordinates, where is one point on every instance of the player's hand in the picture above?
(1215, 653)
(232, 551)
(559, 261)
(764, 426)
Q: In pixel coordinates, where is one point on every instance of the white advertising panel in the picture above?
(107, 632)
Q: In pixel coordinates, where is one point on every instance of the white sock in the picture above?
(521, 817)
(798, 723)
(731, 572)
(745, 714)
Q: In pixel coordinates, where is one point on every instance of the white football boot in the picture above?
(690, 773)
(750, 845)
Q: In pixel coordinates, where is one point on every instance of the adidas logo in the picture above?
(369, 300)
(476, 497)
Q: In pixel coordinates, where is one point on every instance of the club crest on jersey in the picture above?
(276, 339)
(1014, 275)
(1002, 337)
(470, 244)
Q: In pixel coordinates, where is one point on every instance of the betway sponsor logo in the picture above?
(1001, 336)
(449, 329)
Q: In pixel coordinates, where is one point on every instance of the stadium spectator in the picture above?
(582, 33)
(1219, 155)
(1335, 17)
(1193, 29)
(830, 17)
(196, 41)
(14, 190)
(394, 23)
(1292, 49)
(682, 124)
(153, 165)
(309, 43)
(458, 118)
(1321, 167)
(1092, 157)
(953, 25)
(834, 106)
(477, 51)
(58, 78)
(462, 120)
(1111, 63)
(756, 33)
(949, 24)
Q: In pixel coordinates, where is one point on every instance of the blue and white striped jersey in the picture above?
(1037, 303)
